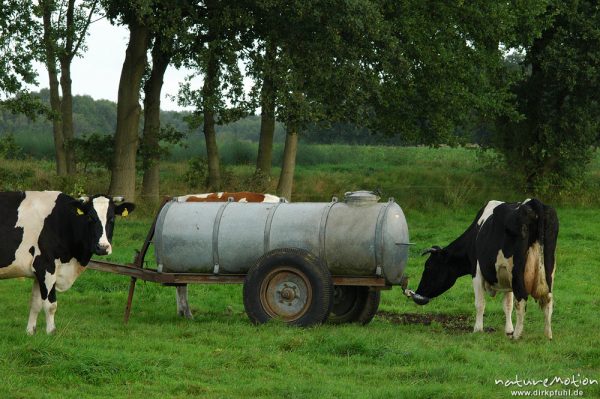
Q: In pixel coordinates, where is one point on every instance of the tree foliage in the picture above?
(424, 72)
(559, 100)
(19, 34)
(442, 65)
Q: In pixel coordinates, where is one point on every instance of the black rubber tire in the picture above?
(354, 304)
(319, 286)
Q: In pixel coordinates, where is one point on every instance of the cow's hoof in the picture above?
(50, 331)
(477, 329)
(509, 334)
(31, 330)
(188, 315)
(515, 337)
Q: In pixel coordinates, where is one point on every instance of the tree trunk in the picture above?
(59, 142)
(212, 151)
(267, 116)
(208, 94)
(534, 118)
(150, 139)
(67, 114)
(286, 179)
(128, 113)
(65, 58)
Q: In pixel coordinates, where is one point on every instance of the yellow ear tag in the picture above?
(125, 212)
(79, 212)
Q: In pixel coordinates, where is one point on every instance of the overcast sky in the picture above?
(97, 73)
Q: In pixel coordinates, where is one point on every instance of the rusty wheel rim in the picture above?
(286, 294)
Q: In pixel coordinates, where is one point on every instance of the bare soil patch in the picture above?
(450, 322)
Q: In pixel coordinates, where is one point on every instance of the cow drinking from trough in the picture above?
(183, 307)
(50, 237)
(510, 248)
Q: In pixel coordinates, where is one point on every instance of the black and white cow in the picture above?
(50, 237)
(510, 248)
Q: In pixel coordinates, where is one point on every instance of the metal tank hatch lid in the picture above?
(361, 197)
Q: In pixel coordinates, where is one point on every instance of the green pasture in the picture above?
(219, 354)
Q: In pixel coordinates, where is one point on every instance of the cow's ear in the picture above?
(77, 207)
(124, 209)
(433, 250)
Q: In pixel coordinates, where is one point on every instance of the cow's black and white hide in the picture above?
(510, 248)
(50, 237)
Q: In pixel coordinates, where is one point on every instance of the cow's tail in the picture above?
(547, 225)
(537, 206)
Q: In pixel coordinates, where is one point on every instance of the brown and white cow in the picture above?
(183, 307)
(50, 237)
(509, 248)
(240, 196)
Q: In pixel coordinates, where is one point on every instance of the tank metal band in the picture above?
(323, 227)
(268, 223)
(379, 245)
(215, 240)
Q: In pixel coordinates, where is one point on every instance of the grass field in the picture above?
(220, 354)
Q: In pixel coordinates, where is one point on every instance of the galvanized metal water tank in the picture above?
(357, 237)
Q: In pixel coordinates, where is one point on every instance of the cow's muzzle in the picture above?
(103, 249)
(419, 299)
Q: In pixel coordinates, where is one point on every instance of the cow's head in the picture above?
(439, 275)
(99, 213)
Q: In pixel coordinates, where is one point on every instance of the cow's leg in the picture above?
(547, 305)
(35, 305)
(521, 307)
(183, 306)
(50, 303)
(507, 304)
(547, 301)
(45, 275)
(479, 289)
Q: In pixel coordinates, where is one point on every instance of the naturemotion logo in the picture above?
(572, 381)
